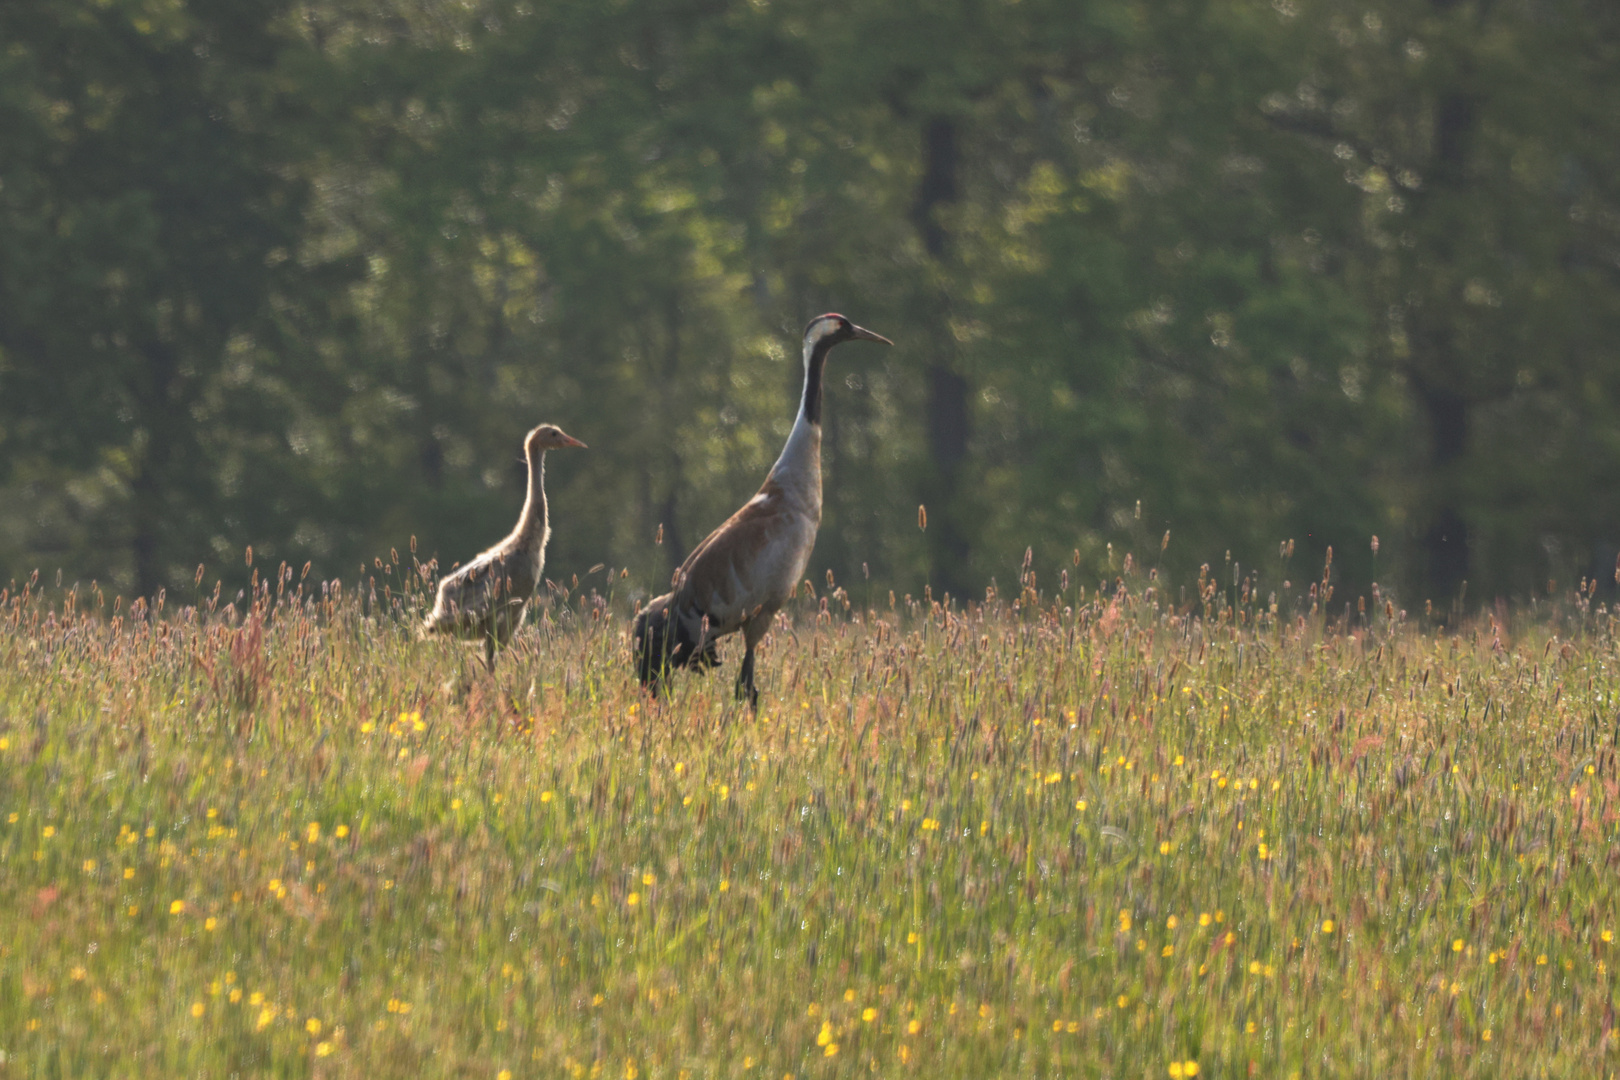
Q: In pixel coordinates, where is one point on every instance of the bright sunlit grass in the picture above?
(1066, 836)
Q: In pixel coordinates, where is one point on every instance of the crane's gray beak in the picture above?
(861, 332)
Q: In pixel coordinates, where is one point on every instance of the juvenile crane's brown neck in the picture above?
(533, 522)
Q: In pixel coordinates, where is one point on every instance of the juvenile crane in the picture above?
(486, 598)
(745, 570)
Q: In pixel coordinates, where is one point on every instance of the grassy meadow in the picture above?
(1055, 833)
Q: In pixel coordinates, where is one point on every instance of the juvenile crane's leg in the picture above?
(502, 625)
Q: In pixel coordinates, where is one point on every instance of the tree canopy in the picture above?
(300, 274)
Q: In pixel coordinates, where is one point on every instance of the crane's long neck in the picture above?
(533, 522)
(798, 469)
(815, 363)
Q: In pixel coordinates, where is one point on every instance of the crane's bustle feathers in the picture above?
(744, 571)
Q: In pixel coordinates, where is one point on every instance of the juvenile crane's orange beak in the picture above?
(862, 332)
(569, 440)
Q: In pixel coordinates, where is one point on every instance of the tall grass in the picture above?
(1060, 835)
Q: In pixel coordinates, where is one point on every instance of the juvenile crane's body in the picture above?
(485, 600)
(745, 570)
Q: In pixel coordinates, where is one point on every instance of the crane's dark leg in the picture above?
(745, 680)
(753, 630)
(489, 654)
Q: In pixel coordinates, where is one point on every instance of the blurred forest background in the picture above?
(300, 274)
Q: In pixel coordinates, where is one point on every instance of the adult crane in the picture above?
(745, 570)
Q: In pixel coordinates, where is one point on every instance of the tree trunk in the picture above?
(674, 549)
(937, 187)
(163, 418)
(1441, 385)
(947, 440)
(1445, 544)
(146, 493)
(948, 418)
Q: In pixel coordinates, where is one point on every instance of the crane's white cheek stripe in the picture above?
(820, 329)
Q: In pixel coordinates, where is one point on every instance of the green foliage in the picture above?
(147, 221)
(1071, 835)
(299, 273)
(1482, 195)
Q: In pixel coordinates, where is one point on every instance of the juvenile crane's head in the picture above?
(550, 437)
(825, 331)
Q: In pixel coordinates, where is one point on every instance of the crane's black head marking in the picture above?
(820, 335)
(831, 328)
